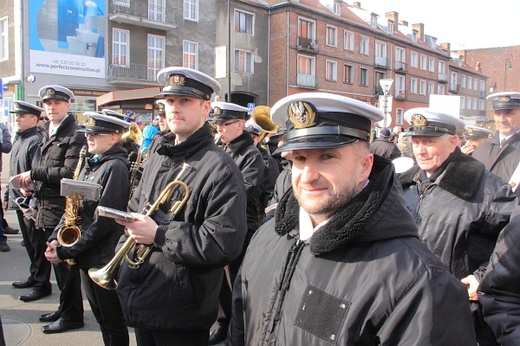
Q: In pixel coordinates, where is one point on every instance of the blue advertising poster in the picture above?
(67, 37)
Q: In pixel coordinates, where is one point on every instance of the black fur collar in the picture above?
(460, 178)
(346, 225)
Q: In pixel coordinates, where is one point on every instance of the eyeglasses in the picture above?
(226, 124)
(97, 134)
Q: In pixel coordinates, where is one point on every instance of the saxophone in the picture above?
(69, 233)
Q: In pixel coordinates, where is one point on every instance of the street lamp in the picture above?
(385, 85)
(508, 65)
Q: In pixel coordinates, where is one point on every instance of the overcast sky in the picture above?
(463, 23)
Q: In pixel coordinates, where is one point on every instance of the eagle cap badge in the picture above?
(177, 80)
(419, 120)
(302, 114)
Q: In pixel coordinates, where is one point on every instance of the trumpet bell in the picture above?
(262, 117)
(102, 277)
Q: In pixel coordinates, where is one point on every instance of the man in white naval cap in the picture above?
(474, 136)
(172, 298)
(458, 205)
(341, 262)
(230, 119)
(501, 154)
(61, 147)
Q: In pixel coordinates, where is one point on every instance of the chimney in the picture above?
(357, 5)
(446, 46)
(392, 16)
(420, 30)
(403, 23)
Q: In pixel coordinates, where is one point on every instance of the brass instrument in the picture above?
(135, 135)
(104, 277)
(262, 117)
(69, 233)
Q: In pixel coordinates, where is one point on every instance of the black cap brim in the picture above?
(316, 143)
(424, 133)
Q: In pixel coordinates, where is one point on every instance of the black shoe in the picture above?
(10, 230)
(51, 317)
(218, 335)
(24, 284)
(35, 294)
(4, 247)
(61, 326)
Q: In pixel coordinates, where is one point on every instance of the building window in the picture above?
(400, 86)
(155, 55)
(468, 102)
(332, 37)
(243, 61)
(390, 28)
(244, 22)
(442, 67)
(331, 71)
(337, 8)
(423, 62)
(481, 104)
(474, 103)
(373, 20)
(4, 39)
(348, 38)
(190, 54)
(156, 10)
(470, 81)
(475, 84)
(363, 76)
(414, 60)
(431, 64)
(413, 86)
(191, 10)
(120, 49)
(348, 74)
(462, 102)
(400, 59)
(380, 54)
(364, 45)
(399, 112)
(441, 89)
(463, 80)
(306, 74)
(306, 33)
(422, 87)
(482, 85)
(431, 88)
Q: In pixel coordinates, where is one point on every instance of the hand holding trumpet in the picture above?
(142, 229)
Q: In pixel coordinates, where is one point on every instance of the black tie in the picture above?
(503, 143)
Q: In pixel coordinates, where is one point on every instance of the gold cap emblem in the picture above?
(91, 121)
(217, 111)
(505, 98)
(50, 91)
(177, 80)
(469, 130)
(302, 115)
(419, 120)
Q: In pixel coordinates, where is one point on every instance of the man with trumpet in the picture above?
(171, 298)
(108, 167)
(60, 150)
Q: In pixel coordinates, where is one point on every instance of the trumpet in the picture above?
(69, 233)
(104, 277)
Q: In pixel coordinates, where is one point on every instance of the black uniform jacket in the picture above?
(60, 155)
(177, 288)
(25, 155)
(500, 161)
(499, 290)
(461, 213)
(251, 164)
(363, 279)
(99, 235)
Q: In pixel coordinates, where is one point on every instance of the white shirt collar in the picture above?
(306, 228)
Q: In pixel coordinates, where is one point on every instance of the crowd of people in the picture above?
(290, 225)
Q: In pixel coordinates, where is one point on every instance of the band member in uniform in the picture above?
(458, 205)
(229, 120)
(341, 263)
(172, 297)
(107, 167)
(474, 136)
(61, 146)
(501, 154)
(25, 155)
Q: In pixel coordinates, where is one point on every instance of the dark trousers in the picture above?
(107, 310)
(35, 245)
(69, 282)
(148, 337)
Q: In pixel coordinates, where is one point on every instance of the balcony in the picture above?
(131, 72)
(442, 77)
(142, 14)
(454, 88)
(307, 81)
(400, 95)
(307, 44)
(400, 67)
(382, 61)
